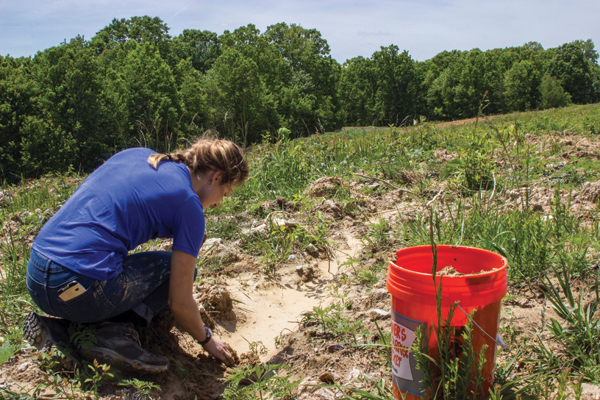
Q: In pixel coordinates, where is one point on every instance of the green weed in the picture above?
(7, 350)
(141, 389)
(531, 242)
(333, 322)
(578, 334)
(259, 381)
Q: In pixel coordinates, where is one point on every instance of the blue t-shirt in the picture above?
(124, 203)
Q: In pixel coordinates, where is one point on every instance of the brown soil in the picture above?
(269, 317)
(450, 271)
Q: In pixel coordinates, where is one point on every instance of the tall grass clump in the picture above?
(576, 331)
(25, 209)
(531, 242)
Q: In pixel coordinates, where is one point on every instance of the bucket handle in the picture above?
(498, 339)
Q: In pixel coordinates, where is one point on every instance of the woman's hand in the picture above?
(218, 349)
(184, 307)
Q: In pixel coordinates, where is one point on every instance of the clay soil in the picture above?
(267, 315)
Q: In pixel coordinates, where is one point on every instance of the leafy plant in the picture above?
(83, 336)
(95, 377)
(140, 388)
(7, 350)
(580, 337)
(260, 381)
(334, 323)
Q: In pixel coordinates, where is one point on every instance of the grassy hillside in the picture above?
(523, 185)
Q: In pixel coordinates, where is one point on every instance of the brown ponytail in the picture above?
(210, 155)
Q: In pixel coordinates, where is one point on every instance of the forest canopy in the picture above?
(72, 106)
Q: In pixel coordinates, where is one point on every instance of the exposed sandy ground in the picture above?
(245, 305)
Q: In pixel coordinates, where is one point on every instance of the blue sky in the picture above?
(351, 28)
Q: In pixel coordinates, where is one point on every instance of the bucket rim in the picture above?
(450, 246)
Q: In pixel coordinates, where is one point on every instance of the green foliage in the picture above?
(473, 169)
(259, 381)
(7, 350)
(72, 106)
(95, 377)
(521, 83)
(244, 97)
(552, 93)
(382, 90)
(277, 242)
(570, 66)
(202, 48)
(530, 242)
(578, 333)
(382, 390)
(83, 336)
(334, 324)
(140, 388)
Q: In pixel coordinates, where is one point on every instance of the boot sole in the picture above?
(113, 358)
(43, 332)
(36, 331)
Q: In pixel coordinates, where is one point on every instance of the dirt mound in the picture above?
(215, 299)
(217, 252)
(591, 191)
(443, 155)
(410, 178)
(331, 208)
(280, 203)
(326, 186)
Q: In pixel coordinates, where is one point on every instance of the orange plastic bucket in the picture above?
(411, 285)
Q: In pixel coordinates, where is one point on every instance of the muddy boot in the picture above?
(119, 344)
(43, 332)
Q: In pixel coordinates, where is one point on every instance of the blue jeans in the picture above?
(142, 286)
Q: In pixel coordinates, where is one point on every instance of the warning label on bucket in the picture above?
(402, 339)
(404, 366)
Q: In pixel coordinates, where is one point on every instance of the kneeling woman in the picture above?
(80, 268)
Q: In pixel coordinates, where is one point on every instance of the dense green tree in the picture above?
(573, 70)
(73, 105)
(202, 48)
(151, 97)
(18, 94)
(521, 84)
(552, 93)
(71, 96)
(315, 76)
(358, 85)
(243, 97)
(140, 29)
(396, 90)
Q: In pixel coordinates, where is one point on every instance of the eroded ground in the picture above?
(270, 313)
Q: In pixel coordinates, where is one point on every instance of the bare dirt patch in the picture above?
(270, 317)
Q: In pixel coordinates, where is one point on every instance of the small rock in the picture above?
(326, 377)
(292, 258)
(312, 250)
(23, 367)
(284, 223)
(307, 272)
(326, 186)
(537, 207)
(352, 375)
(251, 231)
(377, 314)
(325, 394)
(212, 242)
(592, 391)
(332, 348)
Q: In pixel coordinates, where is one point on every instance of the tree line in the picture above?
(72, 106)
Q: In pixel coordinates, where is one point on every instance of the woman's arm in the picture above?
(184, 308)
